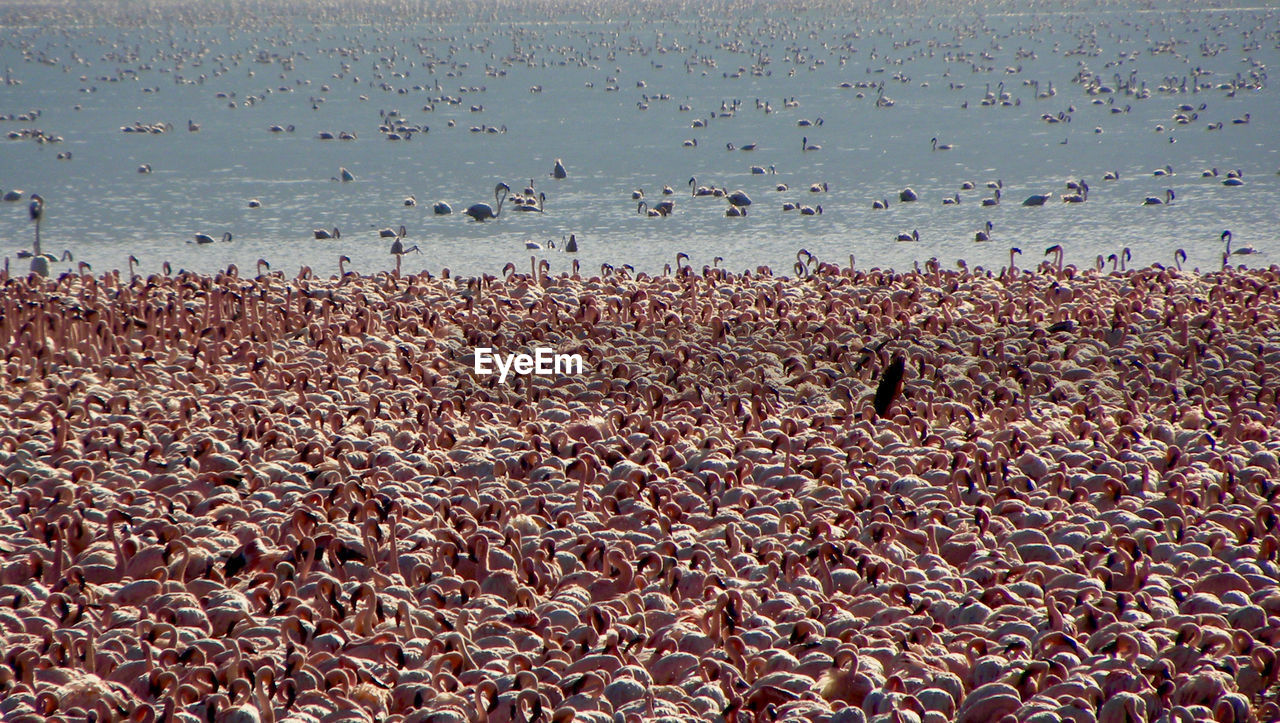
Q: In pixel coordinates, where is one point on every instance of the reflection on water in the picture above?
(1071, 96)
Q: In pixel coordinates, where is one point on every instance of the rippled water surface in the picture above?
(615, 93)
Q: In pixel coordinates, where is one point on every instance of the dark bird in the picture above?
(890, 385)
(1066, 325)
(348, 554)
(251, 555)
(235, 564)
(339, 611)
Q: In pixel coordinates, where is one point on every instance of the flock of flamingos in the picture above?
(1043, 494)
(1039, 494)
(276, 97)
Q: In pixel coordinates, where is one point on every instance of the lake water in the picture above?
(615, 91)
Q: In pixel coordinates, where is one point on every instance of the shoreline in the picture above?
(574, 267)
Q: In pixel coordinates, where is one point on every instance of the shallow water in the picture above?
(174, 67)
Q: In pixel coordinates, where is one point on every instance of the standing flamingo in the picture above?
(483, 211)
(398, 250)
(1056, 249)
(36, 210)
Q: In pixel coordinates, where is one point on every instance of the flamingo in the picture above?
(1157, 201)
(682, 256)
(1242, 251)
(322, 234)
(533, 204)
(40, 264)
(1056, 249)
(398, 250)
(643, 209)
(1081, 193)
(36, 210)
(483, 211)
(204, 238)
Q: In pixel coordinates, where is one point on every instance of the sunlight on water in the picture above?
(1030, 99)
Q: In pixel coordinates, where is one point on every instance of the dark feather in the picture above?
(890, 385)
(349, 554)
(234, 565)
(1066, 325)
